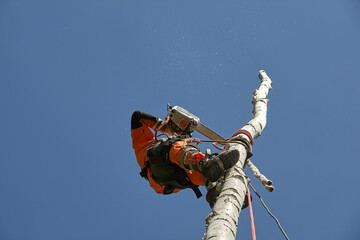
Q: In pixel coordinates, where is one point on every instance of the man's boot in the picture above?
(214, 166)
(211, 166)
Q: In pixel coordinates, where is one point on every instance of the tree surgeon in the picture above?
(171, 164)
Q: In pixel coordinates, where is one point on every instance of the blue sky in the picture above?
(72, 73)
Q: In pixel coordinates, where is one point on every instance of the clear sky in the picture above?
(72, 73)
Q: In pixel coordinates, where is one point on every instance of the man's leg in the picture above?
(212, 167)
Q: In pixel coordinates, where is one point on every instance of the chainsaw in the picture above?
(188, 123)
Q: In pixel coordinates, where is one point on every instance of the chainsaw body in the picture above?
(187, 123)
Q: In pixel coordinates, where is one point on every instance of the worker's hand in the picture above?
(174, 129)
(163, 126)
(166, 129)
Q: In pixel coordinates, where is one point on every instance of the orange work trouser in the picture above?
(175, 154)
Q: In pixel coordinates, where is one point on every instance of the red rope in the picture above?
(216, 146)
(251, 215)
(197, 141)
(246, 133)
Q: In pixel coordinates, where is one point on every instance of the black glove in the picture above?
(212, 196)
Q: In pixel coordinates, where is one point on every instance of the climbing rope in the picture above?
(247, 180)
(251, 214)
(267, 209)
(223, 142)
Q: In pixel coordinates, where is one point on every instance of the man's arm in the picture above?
(140, 118)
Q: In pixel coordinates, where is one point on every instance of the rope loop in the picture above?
(243, 131)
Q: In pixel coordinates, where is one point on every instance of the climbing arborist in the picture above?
(171, 164)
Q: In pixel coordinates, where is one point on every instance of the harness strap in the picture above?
(178, 179)
(187, 150)
(191, 163)
(144, 171)
(196, 190)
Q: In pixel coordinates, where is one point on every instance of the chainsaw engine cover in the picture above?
(184, 120)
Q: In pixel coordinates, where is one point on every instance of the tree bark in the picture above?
(221, 224)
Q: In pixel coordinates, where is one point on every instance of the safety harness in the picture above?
(165, 173)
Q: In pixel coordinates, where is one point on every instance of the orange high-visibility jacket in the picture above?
(142, 139)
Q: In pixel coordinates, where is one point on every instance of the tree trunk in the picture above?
(221, 224)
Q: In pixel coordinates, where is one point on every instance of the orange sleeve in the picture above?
(142, 139)
(141, 134)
